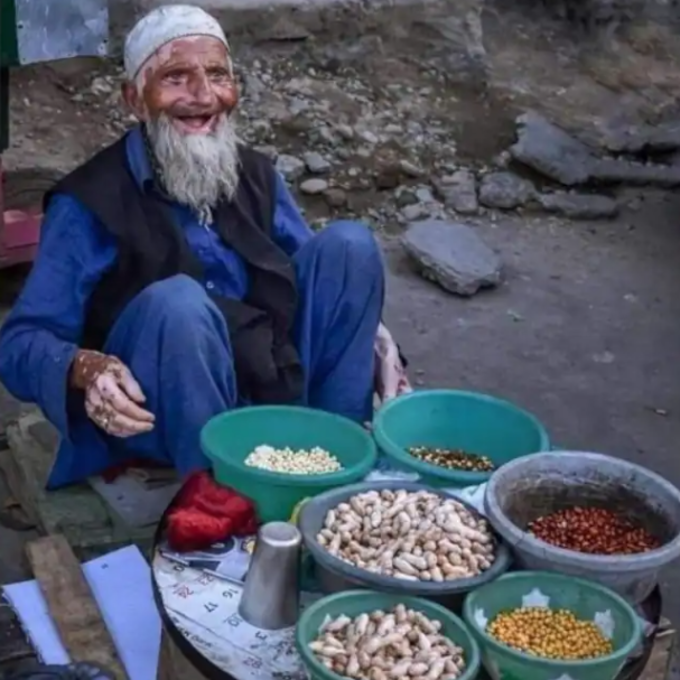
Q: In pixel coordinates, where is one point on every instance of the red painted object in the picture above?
(19, 232)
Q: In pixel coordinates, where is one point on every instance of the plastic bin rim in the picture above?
(394, 450)
(514, 535)
(623, 652)
(502, 560)
(284, 478)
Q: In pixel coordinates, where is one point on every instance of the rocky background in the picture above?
(531, 150)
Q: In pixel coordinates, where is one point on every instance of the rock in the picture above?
(290, 167)
(368, 137)
(459, 191)
(335, 197)
(505, 190)
(424, 195)
(578, 206)
(556, 154)
(644, 139)
(415, 211)
(452, 33)
(614, 171)
(316, 163)
(314, 186)
(269, 151)
(451, 254)
(409, 169)
(550, 150)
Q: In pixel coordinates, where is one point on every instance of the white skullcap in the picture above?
(163, 25)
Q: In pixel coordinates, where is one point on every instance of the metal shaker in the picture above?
(271, 593)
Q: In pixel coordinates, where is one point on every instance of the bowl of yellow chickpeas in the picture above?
(546, 626)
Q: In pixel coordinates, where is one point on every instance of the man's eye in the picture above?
(173, 76)
(219, 74)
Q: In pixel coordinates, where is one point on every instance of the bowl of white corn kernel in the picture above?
(280, 455)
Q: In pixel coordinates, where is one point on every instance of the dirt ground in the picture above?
(584, 331)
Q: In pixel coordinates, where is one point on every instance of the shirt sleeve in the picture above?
(41, 335)
(290, 231)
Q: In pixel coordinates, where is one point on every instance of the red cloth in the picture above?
(205, 513)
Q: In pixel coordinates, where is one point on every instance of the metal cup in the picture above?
(271, 593)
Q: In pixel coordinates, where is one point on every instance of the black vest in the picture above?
(151, 248)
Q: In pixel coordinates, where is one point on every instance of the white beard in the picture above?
(197, 169)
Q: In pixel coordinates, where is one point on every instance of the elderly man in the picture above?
(176, 278)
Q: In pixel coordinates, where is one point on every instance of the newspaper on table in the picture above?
(201, 591)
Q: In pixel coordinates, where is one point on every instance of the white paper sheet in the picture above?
(121, 585)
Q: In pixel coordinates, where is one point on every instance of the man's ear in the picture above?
(133, 100)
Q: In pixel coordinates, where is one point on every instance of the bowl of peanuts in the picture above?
(366, 635)
(280, 455)
(453, 438)
(544, 626)
(587, 515)
(402, 538)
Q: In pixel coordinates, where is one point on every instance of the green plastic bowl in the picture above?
(228, 438)
(355, 602)
(476, 423)
(585, 599)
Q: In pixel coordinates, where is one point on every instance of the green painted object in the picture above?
(8, 34)
(355, 602)
(474, 422)
(587, 600)
(228, 438)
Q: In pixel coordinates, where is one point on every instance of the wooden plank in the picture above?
(172, 665)
(659, 661)
(72, 605)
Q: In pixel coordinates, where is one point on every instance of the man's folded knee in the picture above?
(351, 240)
(178, 295)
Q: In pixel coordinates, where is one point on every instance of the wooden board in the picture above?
(659, 661)
(77, 511)
(71, 604)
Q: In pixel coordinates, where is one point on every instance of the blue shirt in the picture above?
(42, 333)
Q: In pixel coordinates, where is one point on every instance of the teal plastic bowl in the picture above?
(587, 600)
(228, 439)
(355, 602)
(476, 423)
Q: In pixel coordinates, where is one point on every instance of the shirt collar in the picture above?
(138, 159)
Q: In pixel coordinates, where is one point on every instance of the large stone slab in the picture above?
(567, 160)
(452, 255)
(552, 151)
(578, 206)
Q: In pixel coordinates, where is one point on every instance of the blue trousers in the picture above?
(176, 343)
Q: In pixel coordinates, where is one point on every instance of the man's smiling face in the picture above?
(193, 84)
(189, 80)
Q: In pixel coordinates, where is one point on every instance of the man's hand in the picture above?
(112, 395)
(391, 379)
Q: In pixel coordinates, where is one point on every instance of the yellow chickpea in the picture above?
(552, 634)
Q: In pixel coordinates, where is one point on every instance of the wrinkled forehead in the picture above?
(190, 53)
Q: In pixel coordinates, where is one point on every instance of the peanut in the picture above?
(409, 535)
(388, 646)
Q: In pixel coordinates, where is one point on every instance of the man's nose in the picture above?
(201, 90)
